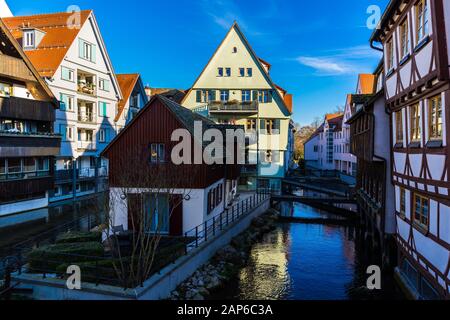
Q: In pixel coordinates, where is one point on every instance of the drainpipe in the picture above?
(374, 47)
(74, 178)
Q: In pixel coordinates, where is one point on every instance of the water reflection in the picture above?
(307, 262)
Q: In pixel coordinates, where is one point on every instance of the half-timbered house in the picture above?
(414, 36)
(370, 143)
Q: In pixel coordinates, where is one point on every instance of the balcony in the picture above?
(18, 144)
(86, 84)
(11, 67)
(26, 109)
(218, 107)
(87, 146)
(86, 112)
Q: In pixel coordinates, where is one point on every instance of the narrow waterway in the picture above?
(308, 262)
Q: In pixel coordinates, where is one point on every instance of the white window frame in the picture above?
(71, 72)
(101, 135)
(29, 38)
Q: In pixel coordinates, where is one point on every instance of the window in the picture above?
(421, 211)
(241, 72)
(421, 20)
(102, 135)
(103, 84)
(228, 72)
(251, 125)
(87, 50)
(235, 49)
(67, 74)
(29, 165)
(29, 39)
(270, 126)
(69, 133)
(415, 122)
(268, 156)
(390, 54)
(67, 102)
(265, 96)
(402, 202)
(435, 118)
(249, 72)
(224, 95)
(103, 109)
(404, 38)
(157, 153)
(246, 95)
(220, 72)
(5, 90)
(399, 126)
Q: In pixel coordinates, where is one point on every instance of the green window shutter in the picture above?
(104, 109)
(278, 124)
(63, 102)
(106, 84)
(255, 95)
(81, 48)
(65, 73)
(262, 126)
(270, 96)
(199, 96)
(94, 53)
(276, 156)
(63, 131)
(213, 95)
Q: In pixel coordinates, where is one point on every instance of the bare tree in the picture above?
(140, 190)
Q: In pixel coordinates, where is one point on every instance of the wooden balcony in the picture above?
(26, 109)
(22, 189)
(29, 145)
(217, 107)
(15, 68)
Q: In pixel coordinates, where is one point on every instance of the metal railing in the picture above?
(96, 270)
(213, 227)
(87, 145)
(86, 117)
(231, 106)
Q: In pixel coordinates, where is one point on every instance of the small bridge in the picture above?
(308, 200)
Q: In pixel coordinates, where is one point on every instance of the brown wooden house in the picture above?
(143, 175)
(27, 142)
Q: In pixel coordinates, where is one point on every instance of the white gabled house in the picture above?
(235, 87)
(68, 51)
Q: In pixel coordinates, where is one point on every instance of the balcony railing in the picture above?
(86, 117)
(86, 88)
(18, 144)
(233, 106)
(27, 109)
(87, 145)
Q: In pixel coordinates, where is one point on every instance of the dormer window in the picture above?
(29, 39)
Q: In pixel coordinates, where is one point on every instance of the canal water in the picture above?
(308, 262)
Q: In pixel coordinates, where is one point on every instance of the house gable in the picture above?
(235, 52)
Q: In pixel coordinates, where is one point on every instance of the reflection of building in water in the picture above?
(287, 209)
(270, 258)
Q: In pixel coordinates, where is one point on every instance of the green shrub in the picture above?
(76, 237)
(48, 258)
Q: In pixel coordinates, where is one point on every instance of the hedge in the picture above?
(76, 237)
(48, 258)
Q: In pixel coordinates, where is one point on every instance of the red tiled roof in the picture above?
(127, 82)
(59, 36)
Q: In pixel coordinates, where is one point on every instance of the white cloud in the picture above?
(325, 66)
(341, 61)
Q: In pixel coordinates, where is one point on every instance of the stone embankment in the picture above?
(227, 262)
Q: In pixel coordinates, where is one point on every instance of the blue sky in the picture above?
(316, 48)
